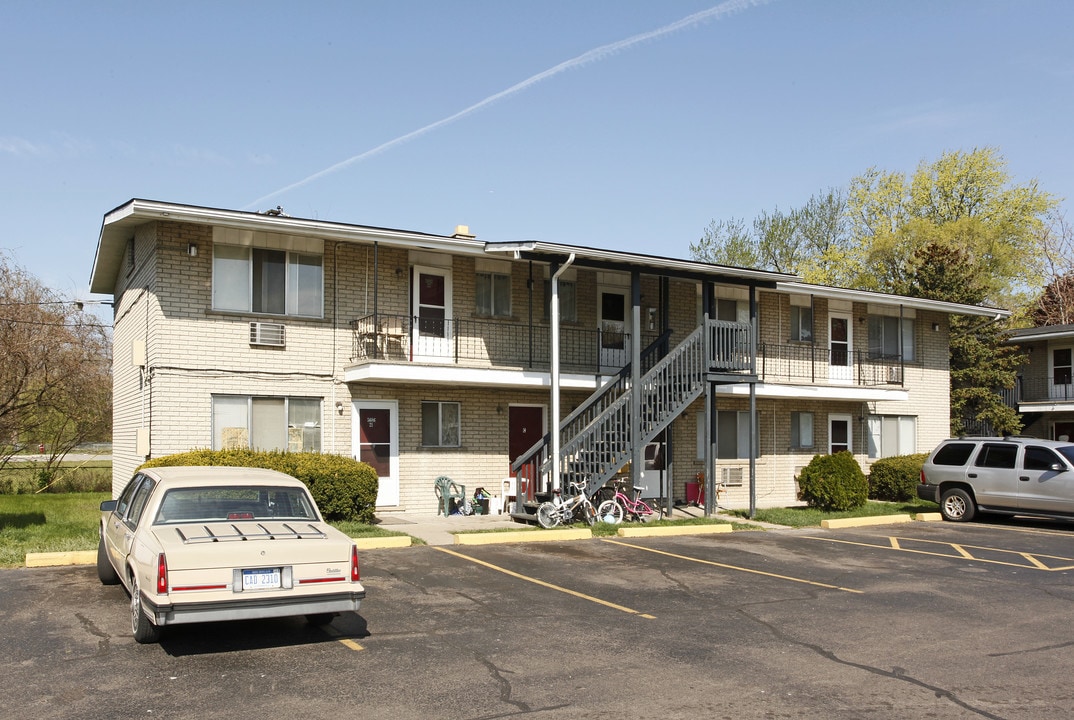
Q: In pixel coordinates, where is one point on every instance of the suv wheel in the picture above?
(957, 505)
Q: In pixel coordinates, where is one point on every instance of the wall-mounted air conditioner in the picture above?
(265, 333)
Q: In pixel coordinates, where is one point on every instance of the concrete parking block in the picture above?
(377, 543)
(859, 522)
(929, 517)
(642, 531)
(51, 559)
(516, 536)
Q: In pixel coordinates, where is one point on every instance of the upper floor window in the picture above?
(277, 282)
(801, 323)
(492, 292)
(890, 337)
(1061, 366)
(568, 300)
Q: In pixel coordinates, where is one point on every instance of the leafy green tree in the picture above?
(727, 242)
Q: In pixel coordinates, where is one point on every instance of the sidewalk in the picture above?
(440, 530)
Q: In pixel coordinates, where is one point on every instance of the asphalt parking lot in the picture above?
(916, 620)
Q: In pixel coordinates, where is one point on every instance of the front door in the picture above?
(525, 428)
(375, 440)
(612, 323)
(431, 303)
(841, 359)
(839, 438)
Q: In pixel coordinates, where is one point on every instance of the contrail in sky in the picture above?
(591, 56)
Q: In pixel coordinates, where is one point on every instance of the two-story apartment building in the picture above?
(1044, 394)
(429, 355)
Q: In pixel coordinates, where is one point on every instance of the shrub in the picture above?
(895, 479)
(343, 488)
(833, 482)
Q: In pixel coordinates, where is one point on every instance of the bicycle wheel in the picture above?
(547, 515)
(589, 512)
(610, 512)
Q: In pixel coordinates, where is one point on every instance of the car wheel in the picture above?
(320, 619)
(144, 630)
(547, 515)
(610, 512)
(957, 505)
(105, 572)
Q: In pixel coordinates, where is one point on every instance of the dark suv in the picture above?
(1009, 475)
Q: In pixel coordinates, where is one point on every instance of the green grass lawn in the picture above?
(807, 517)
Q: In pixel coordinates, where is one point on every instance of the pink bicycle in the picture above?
(620, 506)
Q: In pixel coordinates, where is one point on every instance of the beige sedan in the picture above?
(205, 544)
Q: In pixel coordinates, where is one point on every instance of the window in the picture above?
(891, 435)
(732, 435)
(267, 423)
(801, 324)
(439, 424)
(568, 300)
(141, 497)
(1061, 366)
(997, 455)
(801, 430)
(493, 294)
(884, 337)
(1038, 458)
(954, 454)
(276, 282)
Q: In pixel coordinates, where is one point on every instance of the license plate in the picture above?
(261, 579)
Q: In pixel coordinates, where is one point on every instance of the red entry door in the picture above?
(525, 427)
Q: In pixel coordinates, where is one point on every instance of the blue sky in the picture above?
(609, 126)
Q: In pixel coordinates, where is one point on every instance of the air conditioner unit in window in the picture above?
(264, 333)
(731, 477)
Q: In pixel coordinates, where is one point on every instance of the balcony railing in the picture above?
(1042, 389)
(814, 364)
(486, 343)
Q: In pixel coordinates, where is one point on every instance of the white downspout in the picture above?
(554, 309)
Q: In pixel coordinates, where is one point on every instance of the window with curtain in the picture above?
(440, 424)
(267, 423)
(276, 282)
(884, 337)
(892, 435)
(732, 435)
(492, 293)
(801, 323)
(801, 429)
(568, 300)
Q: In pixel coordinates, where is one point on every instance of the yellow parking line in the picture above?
(542, 583)
(1031, 558)
(345, 642)
(735, 567)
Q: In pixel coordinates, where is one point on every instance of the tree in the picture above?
(1055, 305)
(55, 369)
(727, 242)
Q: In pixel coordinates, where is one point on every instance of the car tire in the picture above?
(957, 505)
(105, 572)
(144, 630)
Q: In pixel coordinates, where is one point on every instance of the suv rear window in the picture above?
(954, 454)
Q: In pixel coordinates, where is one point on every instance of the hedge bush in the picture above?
(895, 479)
(343, 488)
(833, 482)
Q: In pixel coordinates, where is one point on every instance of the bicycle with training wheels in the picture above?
(562, 511)
(620, 506)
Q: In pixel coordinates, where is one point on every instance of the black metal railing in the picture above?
(486, 343)
(1040, 389)
(815, 364)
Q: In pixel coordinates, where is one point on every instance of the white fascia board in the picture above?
(949, 308)
(816, 392)
(472, 377)
(1048, 407)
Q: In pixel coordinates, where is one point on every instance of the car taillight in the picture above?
(355, 575)
(162, 575)
(923, 480)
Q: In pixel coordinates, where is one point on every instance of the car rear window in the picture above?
(234, 504)
(953, 454)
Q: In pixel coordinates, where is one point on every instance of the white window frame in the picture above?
(801, 323)
(742, 435)
(879, 333)
(448, 420)
(235, 293)
(493, 308)
(245, 417)
(802, 430)
(892, 435)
